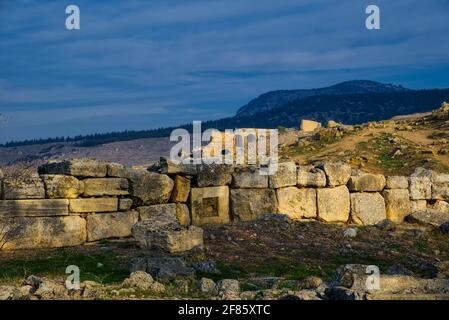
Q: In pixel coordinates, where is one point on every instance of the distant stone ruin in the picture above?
(72, 202)
(309, 125)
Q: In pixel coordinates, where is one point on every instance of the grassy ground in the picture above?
(250, 249)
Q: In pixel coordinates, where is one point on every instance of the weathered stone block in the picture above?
(181, 189)
(48, 232)
(297, 203)
(105, 187)
(148, 188)
(172, 239)
(285, 176)
(160, 214)
(171, 168)
(110, 225)
(24, 187)
(309, 176)
(417, 205)
(89, 205)
(396, 182)
(249, 178)
(428, 217)
(209, 205)
(247, 204)
(367, 182)
(420, 188)
(309, 125)
(337, 174)
(183, 214)
(84, 168)
(440, 191)
(117, 170)
(34, 208)
(125, 204)
(62, 187)
(333, 204)
(397, 204)
(367, 208)
(441, 206)
(214, 175)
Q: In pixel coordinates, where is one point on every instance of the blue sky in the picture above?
(145, 64)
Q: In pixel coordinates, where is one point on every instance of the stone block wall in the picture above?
(72, 202)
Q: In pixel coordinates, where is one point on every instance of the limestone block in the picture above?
(367, 208)
(417, 205)
(309, 125)
(420, 188)
(125, 204)
(428, 217)
(34, 208)
(23, 187)
(160, 214)
(181, 189)
(396, 182)
(47, 232)
(62, 187)
(110, 225)
(83, 168)
(440, 191)
(214, 175)
(367, 182)
(441, 206)
(97, 187)
(209, 205)
(183, 214)
(171, 168)
(337, 174)
(148, 188)
(333, 204)
(172, 239)
(247, 204)
(249, 177)
(89, 205)
(397, 204)
(285, 176)
(117, 170)
(309, 176)
(297, 203)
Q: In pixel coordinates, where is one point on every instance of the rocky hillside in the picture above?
(275, 99)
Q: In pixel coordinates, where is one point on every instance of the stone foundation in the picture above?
(72, 202)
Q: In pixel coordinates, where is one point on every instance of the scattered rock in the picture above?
(207, 286)
(386, 225)
(350, 233)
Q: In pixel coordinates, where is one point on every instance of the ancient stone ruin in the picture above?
(72, 202)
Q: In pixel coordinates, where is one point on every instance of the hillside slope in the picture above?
(275, 99)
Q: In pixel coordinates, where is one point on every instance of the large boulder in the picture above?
(367, 182)
(110, 225)
(249, 177)
(62, 187)
(333, 204)
(285, 176)
(172, 238)
(367, 208)
(337, 174)
(297, 203)
(428, 217)
(309, 176)
(214, 175)
(97, 187)
(148, 188)
(26, 186)
(397, 204)
(84, 168)
(247, 204)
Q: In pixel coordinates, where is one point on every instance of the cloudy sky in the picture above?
(145, 64)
